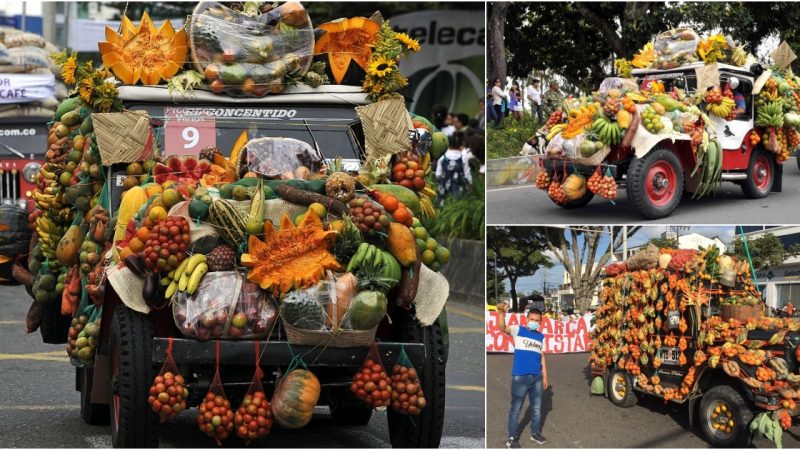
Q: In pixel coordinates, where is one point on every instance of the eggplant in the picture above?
(136, 264)
(150, 288)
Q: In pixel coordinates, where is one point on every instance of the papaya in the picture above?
(406, 196)
(71, 118)
(133, 199)
(367, 310)
(65, 107)
(669, 103)
(69, 246)
(624, 119)
(659, 108)
(401, 244)
(439, 145)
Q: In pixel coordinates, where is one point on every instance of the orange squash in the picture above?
(346, 41)
(144, 52)
(295, 397)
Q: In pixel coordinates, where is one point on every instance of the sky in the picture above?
(554, 276)
(10, 8)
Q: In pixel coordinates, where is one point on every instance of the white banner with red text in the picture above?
(570, 335)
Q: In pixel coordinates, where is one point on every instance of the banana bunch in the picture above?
(770, 115)
(609, 132)
(49, 234)
(636, 97)
(381, 261)
(723, 108)
(770, 95)
(555, 130)
(186, 278)
(767, 427)
(710, 156)
(426, 196)
(739, 57)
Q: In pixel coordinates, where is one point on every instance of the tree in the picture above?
(578, 251)
(663, 242)
(765, 251)
(496, 47)
(519, 253)
(493, 294)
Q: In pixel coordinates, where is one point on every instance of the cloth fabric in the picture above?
(448, 130)
(432, 294)
(738, 98)
(528, 347)
(522, 385)
(453, 173)
(498, 95)
(551, 100)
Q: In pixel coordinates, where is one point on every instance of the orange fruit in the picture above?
(143, 234)
(158, 213)
(136, 245)
(125, 252)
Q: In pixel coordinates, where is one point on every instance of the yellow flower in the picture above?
(381, 66)
(411, 44)
(68, 70)
(86, 90)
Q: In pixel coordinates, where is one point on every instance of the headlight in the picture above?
(22, 203)
(30, 171)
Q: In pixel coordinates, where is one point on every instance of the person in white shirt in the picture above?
(534, 95)
(453, 174)
(497, 100)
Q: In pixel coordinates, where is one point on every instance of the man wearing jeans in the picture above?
(528, 375)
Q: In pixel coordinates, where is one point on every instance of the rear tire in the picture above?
(760, 174)
(620, 390)
(741, 414)
(655, 183)
(424, 430)
(133, 422)
(92, 413)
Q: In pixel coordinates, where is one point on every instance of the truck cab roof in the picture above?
(740, 71)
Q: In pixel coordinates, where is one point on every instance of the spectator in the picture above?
(452, 170)
(439, 116)
(515, 102)
(498, 96)
(477, 151)
(534, 94)
(461, 123)
(480, 116)
(551, 100)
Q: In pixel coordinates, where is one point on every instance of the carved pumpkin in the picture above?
(292, 257)
(348, 45)
(144, 52)
(295, 397)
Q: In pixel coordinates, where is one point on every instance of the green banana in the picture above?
(358, 257)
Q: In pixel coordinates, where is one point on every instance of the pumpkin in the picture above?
(292, 257)
(295, 398)
(574, 187)
(144, 52)
(228, 222)
(348, 45)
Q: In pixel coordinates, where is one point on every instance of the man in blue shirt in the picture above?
(528, 375)
(738, 97)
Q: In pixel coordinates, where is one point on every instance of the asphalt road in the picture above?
(529, 205)
(39, 406)
(574, 418)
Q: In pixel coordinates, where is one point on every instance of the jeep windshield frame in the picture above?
(324, 119)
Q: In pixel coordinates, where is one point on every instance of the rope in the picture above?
(749, 259)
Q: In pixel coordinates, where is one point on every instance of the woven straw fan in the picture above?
(123, 137)
(387, 125)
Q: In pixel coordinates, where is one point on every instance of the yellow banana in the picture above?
(197, 275)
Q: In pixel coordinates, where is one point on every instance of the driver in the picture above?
(738, 97)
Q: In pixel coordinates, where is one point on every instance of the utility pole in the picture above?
(495, 279)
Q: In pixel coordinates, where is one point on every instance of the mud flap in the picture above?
(777, 183)
(692, 407)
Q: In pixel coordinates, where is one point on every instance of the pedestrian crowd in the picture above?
(465, 155)
(512, 101)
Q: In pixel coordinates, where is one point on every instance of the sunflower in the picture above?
(381, 66)
(411, 44)
(86, 90)
(68, 70)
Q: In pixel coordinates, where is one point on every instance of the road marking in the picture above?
(465, 387)
(465, 313)
(11, 322)
(38, 407)
(57, 356)
(453, 330)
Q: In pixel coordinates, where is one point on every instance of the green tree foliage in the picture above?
(519, 253)
(663, 242)
(765, 251)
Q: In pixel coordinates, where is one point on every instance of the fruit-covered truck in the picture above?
(686, 326)
(658, 137)
(212, 237)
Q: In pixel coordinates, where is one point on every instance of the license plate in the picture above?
(669, 355)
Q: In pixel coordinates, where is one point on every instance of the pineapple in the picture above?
(370, 278)
(347, 241)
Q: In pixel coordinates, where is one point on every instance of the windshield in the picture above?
(185, 130)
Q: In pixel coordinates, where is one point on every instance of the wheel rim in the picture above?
(660, 183)
(618, 386)
(762, 173)
(721, 422)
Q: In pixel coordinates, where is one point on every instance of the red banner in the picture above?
(570, 336)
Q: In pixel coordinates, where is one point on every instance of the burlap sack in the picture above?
(431, 296)
(197, 229)
(644, 259)
(128, 287)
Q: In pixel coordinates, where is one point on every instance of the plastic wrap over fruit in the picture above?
(225, 306)
(307, 308)
(676, 47)
(251, 49)
(555, 147)
(284, 158)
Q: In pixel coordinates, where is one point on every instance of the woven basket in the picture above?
(740, 312)
(338, 338)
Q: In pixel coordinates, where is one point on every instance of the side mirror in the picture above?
(756, 69)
